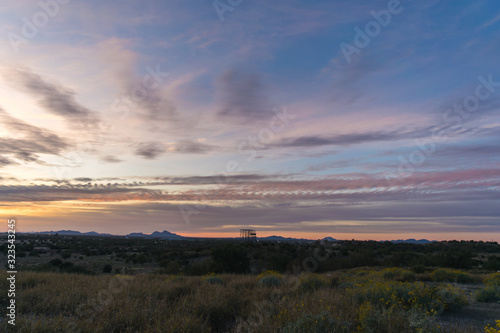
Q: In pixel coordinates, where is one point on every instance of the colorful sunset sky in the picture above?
(351, 119)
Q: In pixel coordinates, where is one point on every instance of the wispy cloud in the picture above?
(54, 98)
(152, 150)
(199, 96)
(28, 141)
(110, 159)
(351, 138)
(492, 21)
(149, 150)
(243, 96)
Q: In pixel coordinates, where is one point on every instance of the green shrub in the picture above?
(398, 274)
(408, 295)
(214, 280)
(389, 274)
(373, 318)
(407, 276)
(418, 269)
(464, 278)
(489, 294)
(453, 298)
(66, 254)
(492, 280)
(310, 282)
(445, 275)
(423, 322)
(345, 285)
(270, 281)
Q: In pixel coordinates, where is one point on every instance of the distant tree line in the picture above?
(199, 257)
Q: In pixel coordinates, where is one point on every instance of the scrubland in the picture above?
(355, 300)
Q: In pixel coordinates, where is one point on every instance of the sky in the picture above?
(349, 119)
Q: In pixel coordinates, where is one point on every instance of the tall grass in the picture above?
(351, 301)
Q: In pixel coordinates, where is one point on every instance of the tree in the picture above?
(66, 254)
(231, 258)
(107, 268)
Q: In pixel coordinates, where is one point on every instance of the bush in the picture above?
(195, 268)
(408, 295)
(489, 294)
(489, 329)
(214, 280)
(464, 278)
(407, 276)
(345, 285)
(310, 282)
(388, 274)
(452, 297)
(445, 275)
(398, 274)
(56, 262)
(270, 281)
(66, 254)
(107, 268)
(492, 263)
(492, 280)
(418, 269)
(231, 258)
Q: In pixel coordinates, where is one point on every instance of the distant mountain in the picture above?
(413, 241)
(137, 234)
(170, 235)
(165, 235)
(283, 239)
(71, 233)
(162, 235)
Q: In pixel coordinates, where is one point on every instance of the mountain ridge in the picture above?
(170, 235)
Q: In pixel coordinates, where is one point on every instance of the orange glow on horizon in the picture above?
(349, 236)
(79, 216)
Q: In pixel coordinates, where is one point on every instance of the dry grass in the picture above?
(349, 301)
